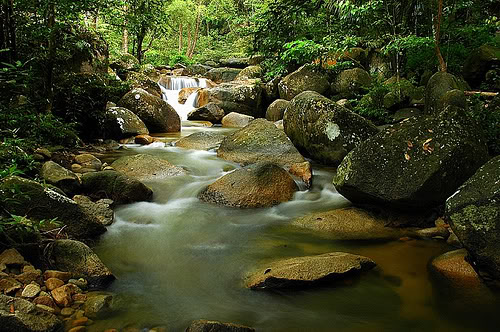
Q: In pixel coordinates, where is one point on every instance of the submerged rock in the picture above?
(157, 114)
(26, 317)
(60, 177)
(474, 215)
(215, 326)
(255, 186)
(204, 140)
(303, 79)
(454, 267)
(322, 129)
(145, 166)
(37, 202)
(308, 271)
(78, 258)
(120, 188)
(413, 164)
(262, 141)
(98, 305)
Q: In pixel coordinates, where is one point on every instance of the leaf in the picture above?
(407, 156)
(427, 141)
(430, 130)
(410, 145)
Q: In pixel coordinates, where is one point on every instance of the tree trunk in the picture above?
(189, 39)
(195, 38)
(125, 40)
(140, 40)
(180, 38)
(49, 81)
(12, 32)
(437, 36)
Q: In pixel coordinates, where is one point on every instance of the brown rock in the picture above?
(78, 329)
(53, 283)
(185, 93)
(203, 97)
(10, 285)
(11, 257)
(80, 322)
(63, 295)
(46, 301)
(236, 120)
(454, 267)
(29, 276)
(80, 297)
(86, 160)
(64, 276)
(144, 139)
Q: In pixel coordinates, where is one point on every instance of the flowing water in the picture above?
(178, 259)
(171, 91)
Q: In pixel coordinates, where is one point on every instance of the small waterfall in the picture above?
(171, 86)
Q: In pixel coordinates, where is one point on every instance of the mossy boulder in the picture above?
(222, 74)
(123, 64)
(140, 80)
(413, 164)
(145, 166)
(235, 62)
(236, 120)
(157, 115)
(479, 62)
(241, 97)
(211, 112)
(250, 72)
(276, 110)
(28, 198)
(351, 82)
(474, 215)
(262, 141)
(438, 86)
(306, 78)
(60, 177)
(119, 122)
(204, 140)
(120, 188)
(254, 186)
(76, 257)
(324, 130)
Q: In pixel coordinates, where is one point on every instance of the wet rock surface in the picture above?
(144, 166)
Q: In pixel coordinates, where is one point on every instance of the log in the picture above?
(481, 93)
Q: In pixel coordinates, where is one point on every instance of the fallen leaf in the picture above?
(426, 142)
(407, 156)
(12, 309)
(429, 130)
(410, 144)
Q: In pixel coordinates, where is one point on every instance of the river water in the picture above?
(177, 259)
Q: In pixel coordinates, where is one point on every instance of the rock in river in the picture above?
(255, 186)
(204, 140)
(474, 215)
(145, 166)
(262, 141)
(308, 271)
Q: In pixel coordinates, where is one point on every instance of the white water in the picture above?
(171, 91)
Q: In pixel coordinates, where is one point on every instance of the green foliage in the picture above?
(487, 114)
(300, 52)
(371, 105)
(177, 58)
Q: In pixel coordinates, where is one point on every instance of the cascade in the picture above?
(171, 88)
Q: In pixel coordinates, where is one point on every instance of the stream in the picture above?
(177, 259)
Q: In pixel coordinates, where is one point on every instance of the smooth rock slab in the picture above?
(308, 271)
(204, 140)
(60, 177)
(454, 267)
(144, 167)
(215, 326)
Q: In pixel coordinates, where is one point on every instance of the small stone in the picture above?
(45, 300)
(43, 292)
(46, 308)
(80, 297)
(82, 321)
(53, 283)
(144, 139)
(9, 285)
(76, 168)
(63, 295)
(98, 304)
(66, 312)
(31, 290)
(11, 257)
(78, 329)
(86, 160)
(64, 276)
(29, 276)
(28, 268)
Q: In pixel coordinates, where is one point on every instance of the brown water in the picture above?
(178, 259)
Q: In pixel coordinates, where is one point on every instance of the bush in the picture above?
(371, 105)
(487, 114)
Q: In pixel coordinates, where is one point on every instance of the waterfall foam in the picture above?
(171, 88)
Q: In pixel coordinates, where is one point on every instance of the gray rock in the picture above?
(262, 141)
(144, 166)
(157, 115)
(26, 317)
(222, 74)
(437, 87)
(211, 112)
(215, 326)
(308, 271)
(240, 97)
(235, 62)
(60, 177)
(78, 258)
(37, 203)
(204, 140)
(351, 82)
(118, 187)
(254, 186)
(413, 164)
(236, 120)
(98, 305)
(121, 123)
(303, 79)
(323, 130)
(31, 290)
(276, 110)
(101, 209)
(474, 215)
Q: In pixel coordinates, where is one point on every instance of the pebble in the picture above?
(31, 290)
(81, 283)
(64, 276)
(46, 308)
(83, 321)
(66, 312)
(78, 329)
(53, 283)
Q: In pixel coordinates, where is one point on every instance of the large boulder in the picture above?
(479, 62)
(19, 315)
(354, 224)
(204, 140)
(185, 93)
(276, 110)
(145, 166)
(123, 64)
(119, 122)
(203, 325)
(262, 141)
(250, 72)
(235, 62)
(324, 130)
(306, 78)
(199, 69)
(120, 188)
(140, 80)
(61, 177)
(210, 112)
(77, 258)
(308, 271)
(158, 116)
(28, 198)
(413, 164)
(453, 266)
(351, 82)
(222, 74)
(254, 186)
(438, 86)
(241, 97)
(236, 120)
(100, 209)
(474, 215)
